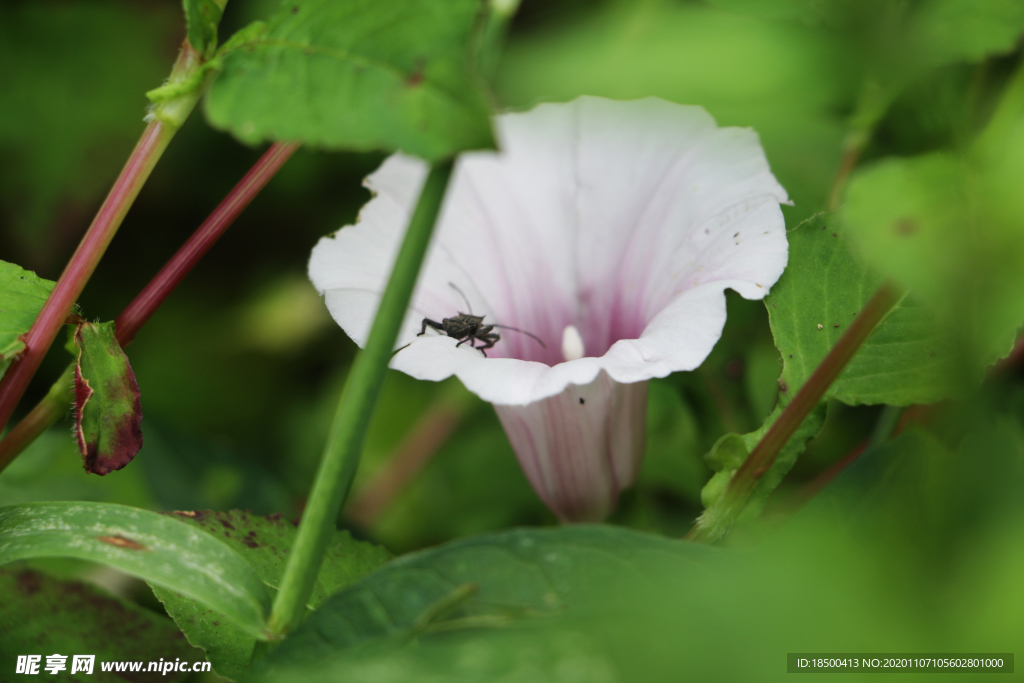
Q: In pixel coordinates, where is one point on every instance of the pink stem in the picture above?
(55, 404)
(135, 315)
(81, 266)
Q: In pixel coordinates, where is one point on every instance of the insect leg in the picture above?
(427, 321)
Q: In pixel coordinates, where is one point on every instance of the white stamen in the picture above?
(572, 343)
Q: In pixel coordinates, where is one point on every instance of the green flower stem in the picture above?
(345, 440)
(165, 120)
(135, 315)
(763, 456)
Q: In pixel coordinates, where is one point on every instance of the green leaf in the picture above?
(264, 542)
(949, 229)
(159, 549)
(477, 583)
(43, 615)
(730, 451)
(202, 17)
(22, 295)
(969, 30)
(108, 411)
(909, 357)
(359, 75)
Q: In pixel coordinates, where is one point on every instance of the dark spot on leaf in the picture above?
(905, 227)
(275, 517)
(227, 524)
(216, 623)
(295, 9)
(29, 581)
(250, 543)
(783, 387)
(835, 235)
(121, 542)
(790, 355)
(836, 325)
(416, 77)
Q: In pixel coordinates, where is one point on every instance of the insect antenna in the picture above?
(516, 329)
(464, 297)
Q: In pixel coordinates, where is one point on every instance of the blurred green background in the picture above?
(241, 368)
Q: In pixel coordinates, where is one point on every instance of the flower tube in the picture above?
(606, 234)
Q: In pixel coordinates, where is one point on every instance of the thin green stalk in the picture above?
(165, 119)
(348, 431)
(810, 394)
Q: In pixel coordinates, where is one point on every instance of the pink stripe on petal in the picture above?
(581, 447)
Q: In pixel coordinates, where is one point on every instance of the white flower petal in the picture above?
(581, 447)
(608, 228)
(627, 220)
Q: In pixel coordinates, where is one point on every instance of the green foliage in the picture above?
(910, 357)
(969, 30)
(475, 584)
(51, 469)
(76, 118)
(264, 542)
(202, 18)
(731, 451)
(949, 228)
(359, 75)
(108, 408)
(42, 615)
(22, 295)
(154, 547)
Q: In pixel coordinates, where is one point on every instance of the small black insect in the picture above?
(467, 327)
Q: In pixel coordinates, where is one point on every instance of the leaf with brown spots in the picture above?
(108, 409)
(40, 614)
(162, 550)
(264, 542)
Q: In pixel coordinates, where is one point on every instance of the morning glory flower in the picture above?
(607, 230)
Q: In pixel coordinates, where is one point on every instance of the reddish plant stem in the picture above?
(135, 315)
(919, 414)
(763, 456)
(81, 266)
(55, 403)
(851, 154)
